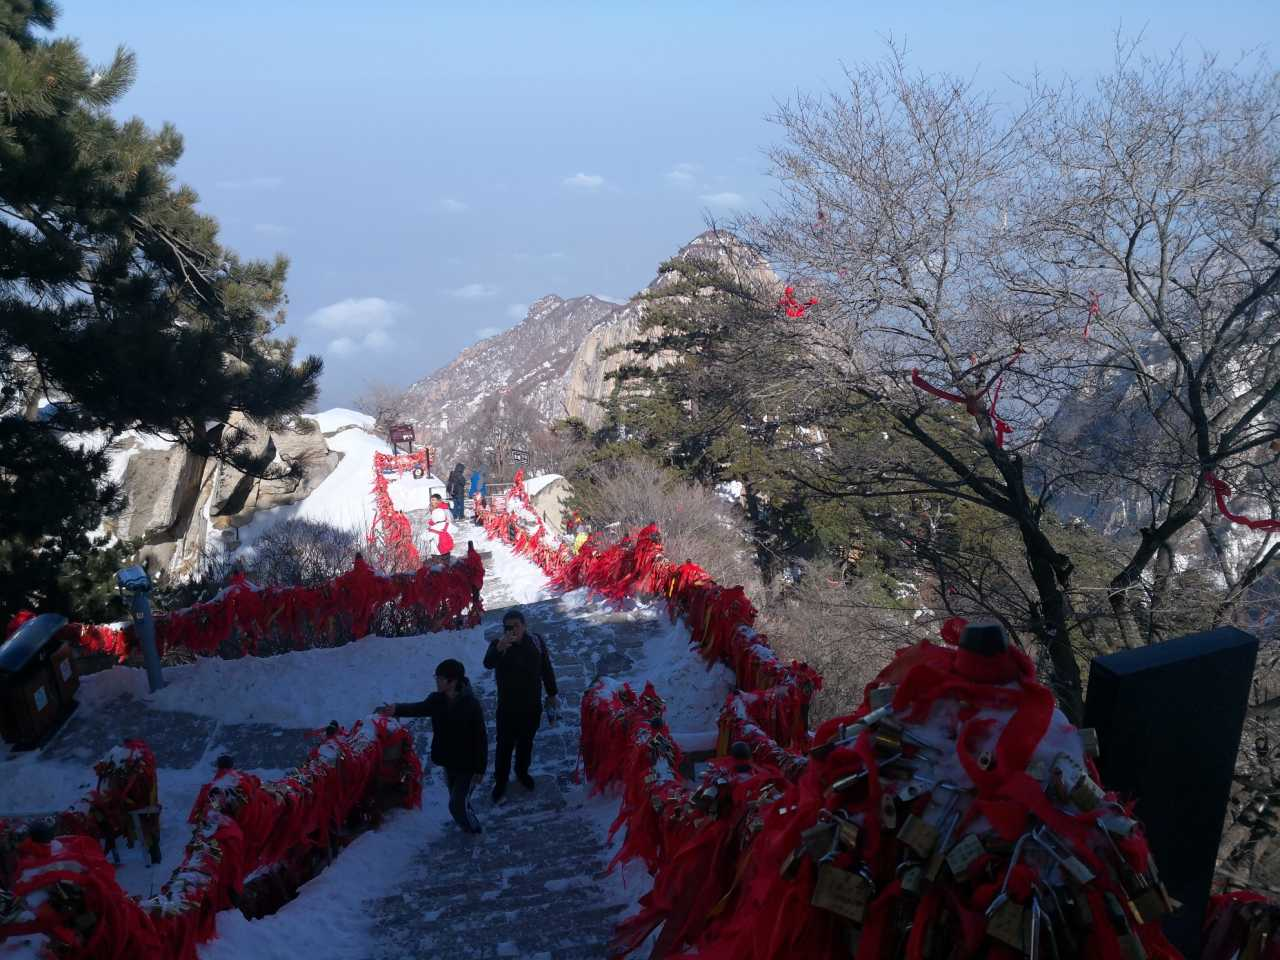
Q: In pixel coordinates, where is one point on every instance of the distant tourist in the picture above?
(459, 742)
(477, 488)
(439, 528)
(522, 667)
(456, 488)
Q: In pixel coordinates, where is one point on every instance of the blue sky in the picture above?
(430, 168)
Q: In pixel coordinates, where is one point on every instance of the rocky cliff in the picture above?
(526, 366)
(177, 501)
(588, 377)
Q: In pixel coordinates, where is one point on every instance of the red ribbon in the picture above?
(1221, 491)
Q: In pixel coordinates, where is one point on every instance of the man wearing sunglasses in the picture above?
(522, 667)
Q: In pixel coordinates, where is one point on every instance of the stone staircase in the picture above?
(532, 885)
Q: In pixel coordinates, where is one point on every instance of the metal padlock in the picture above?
(792, 862)
(1086, 794)
(912, 880)
(888, 811)
(1008, 924)
(849, 833)
(881, 696)
(918, 835)
(1149, 904)
(1089, 741)
(816, 840)
(934, 866)
(963, 854)
(841, 892)
(887, 737)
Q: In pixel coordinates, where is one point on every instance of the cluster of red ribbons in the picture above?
(67, 891)
(391, 534)
(1221, 490)
(1241, 924)
(625, 742)
(691, 839)
(436, 597)
(402, 462)
(776, 695)
(126, 783)
(971, 404)
(834, 864)
(793, 307)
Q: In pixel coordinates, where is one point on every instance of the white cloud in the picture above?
(250, 183)
(474, 291)
(271, 229)
(725, 199)
(342, 347)
(683, 174)
(356, 314)
(610, 299)
(362, 323)
(453, 205)
(584, 181)
(517, 311)
(485, 333)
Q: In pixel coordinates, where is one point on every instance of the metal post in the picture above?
(146, 630)
(135, 580)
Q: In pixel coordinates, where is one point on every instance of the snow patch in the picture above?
(339, 418)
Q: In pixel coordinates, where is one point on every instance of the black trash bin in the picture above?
(34, 697)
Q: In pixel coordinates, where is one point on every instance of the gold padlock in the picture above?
(963, 854)
(1008, 924)
(919, 836)
(888, 811)
(841, 892)
(848, 835)
(816, 840)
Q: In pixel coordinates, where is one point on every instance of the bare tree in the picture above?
(960, 250)
(695, 523)
(385, 403)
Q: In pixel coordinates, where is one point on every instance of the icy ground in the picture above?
(531, 886)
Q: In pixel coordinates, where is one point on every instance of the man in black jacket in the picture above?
(456, 488)
(459, 742)
(522, 667)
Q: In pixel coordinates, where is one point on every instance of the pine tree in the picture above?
(117, 303)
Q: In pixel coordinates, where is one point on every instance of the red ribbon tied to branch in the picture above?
(1002, 429)
(792, 306)
(1095, 311)
(1222, 490)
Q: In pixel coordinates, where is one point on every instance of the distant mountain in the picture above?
(522, 369)
(555, 364)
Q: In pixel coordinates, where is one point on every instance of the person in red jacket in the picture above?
(440, 527)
